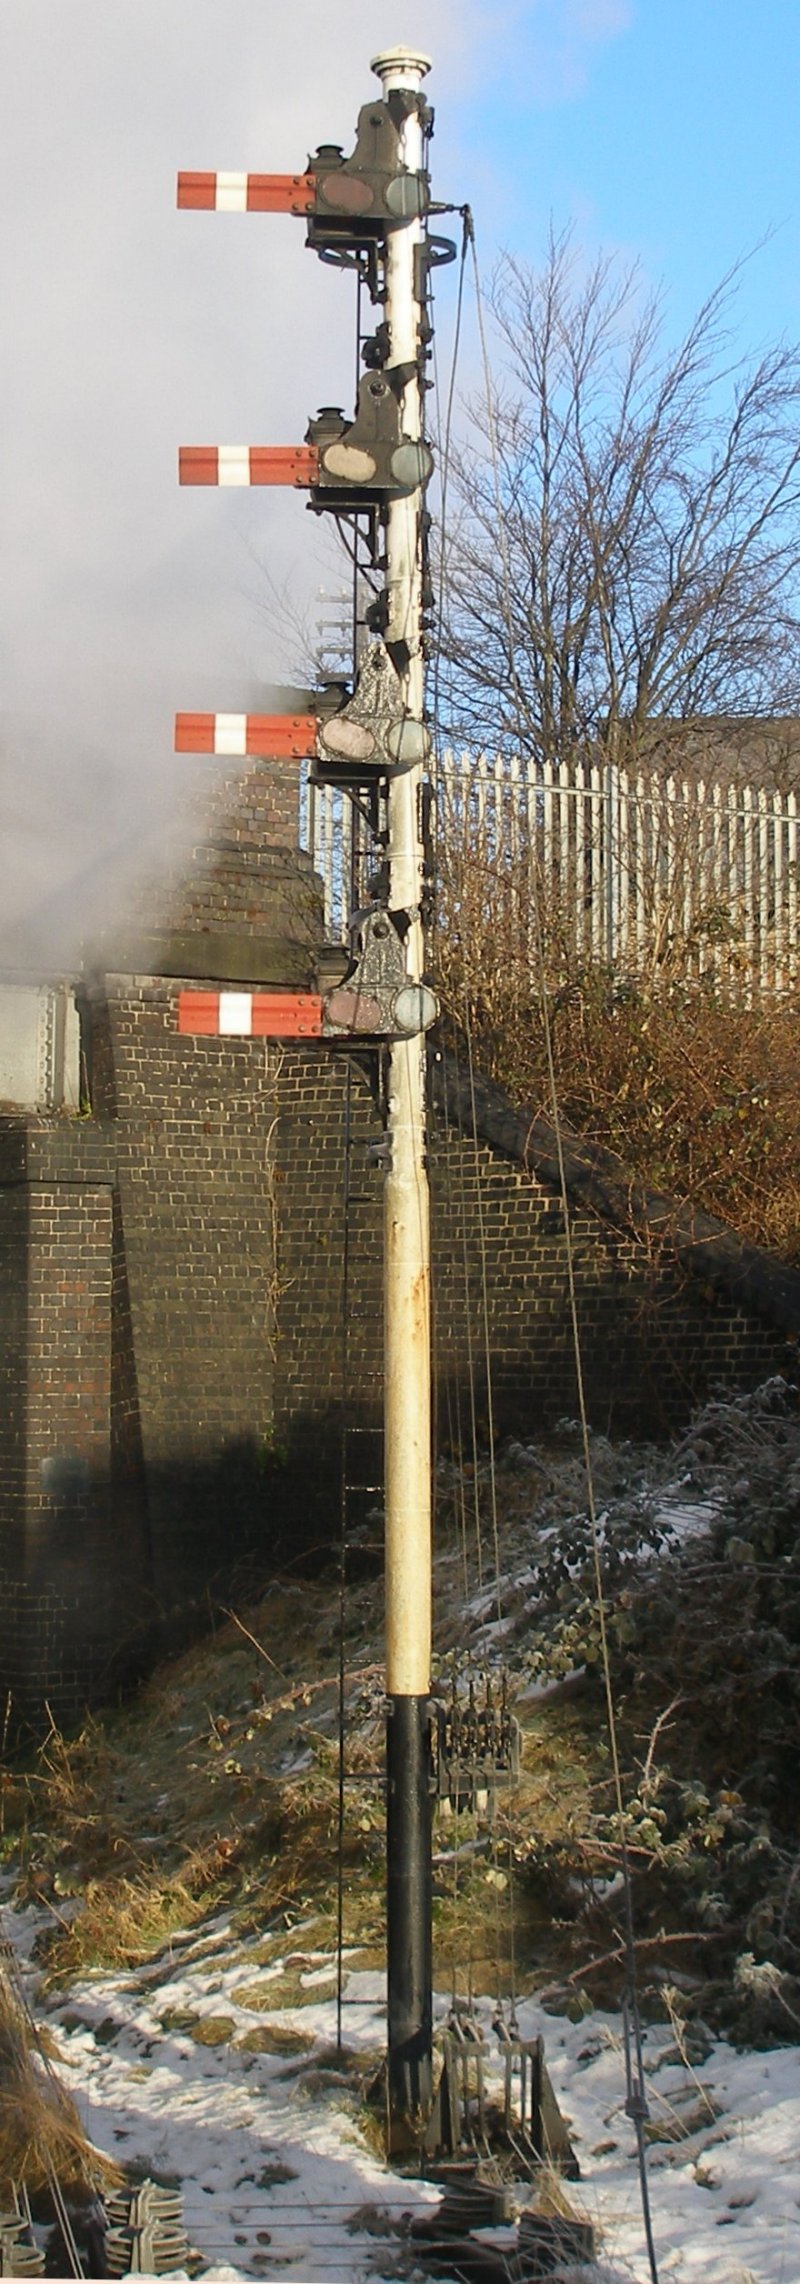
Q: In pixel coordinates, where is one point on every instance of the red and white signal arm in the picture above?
(232, 1014)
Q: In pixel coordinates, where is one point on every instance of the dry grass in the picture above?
(180, 1799)
(506, 1898)
(71, 1790)
(41, 2135)
(282, 2038)
(126, 1921)
(697, 1091)
(279, 1992)
(192, 1771)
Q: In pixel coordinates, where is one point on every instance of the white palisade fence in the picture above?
(638, 869)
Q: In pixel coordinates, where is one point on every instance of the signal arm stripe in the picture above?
(233, 464)
(230, 734)
(231, 193)
(236, 1014)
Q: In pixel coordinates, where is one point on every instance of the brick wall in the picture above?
(194, 1277)
(171, 1286)
(13, 1367)
(46, 1662)
(322, 1098)
(162, 1428)
(136, 1304)
(247, 904)
(250, 806)
(654, 1342)
(58, 1539)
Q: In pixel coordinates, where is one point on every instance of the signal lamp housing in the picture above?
(358, 200)
(370, 455)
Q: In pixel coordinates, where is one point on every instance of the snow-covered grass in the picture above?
(210, 2057)
(278, 2165)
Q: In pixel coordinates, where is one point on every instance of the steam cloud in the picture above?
(131, 328)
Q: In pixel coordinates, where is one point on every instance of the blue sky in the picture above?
(664, 129)
(667, 128)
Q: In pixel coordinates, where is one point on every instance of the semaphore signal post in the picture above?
(370, 213)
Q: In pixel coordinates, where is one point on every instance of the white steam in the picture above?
(130, 328)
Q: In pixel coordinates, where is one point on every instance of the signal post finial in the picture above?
(400, 67)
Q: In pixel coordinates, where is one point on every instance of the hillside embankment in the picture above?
(219, 1784)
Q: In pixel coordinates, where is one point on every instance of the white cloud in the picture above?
(543, 49)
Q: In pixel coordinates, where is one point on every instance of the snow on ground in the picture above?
(272, 2156)
(267, 2135)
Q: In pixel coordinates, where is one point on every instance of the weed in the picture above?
(125, 1921)
(41, 2136)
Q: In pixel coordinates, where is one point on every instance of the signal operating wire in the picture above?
(445, 439)
(485, 1311)
(636, 2103)
(341, 1678)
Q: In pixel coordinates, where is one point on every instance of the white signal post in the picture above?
(407, 1351)
(400, 240)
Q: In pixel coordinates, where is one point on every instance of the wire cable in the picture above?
(499, 1878)
(344, 1360)
(636, 2103)
(490, 1429)
(445, 442)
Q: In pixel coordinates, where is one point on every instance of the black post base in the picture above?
(408, 1913)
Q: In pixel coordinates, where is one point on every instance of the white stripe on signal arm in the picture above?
(236, 1014)
(231, 193)
(230, 734)
(233, 464)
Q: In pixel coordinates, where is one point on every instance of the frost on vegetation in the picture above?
(200, 2022)
(697, 1548)
(698, 1555)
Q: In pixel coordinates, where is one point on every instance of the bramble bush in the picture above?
(704, 1641)
(693, 1083)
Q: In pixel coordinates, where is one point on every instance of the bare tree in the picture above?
(625, 549)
